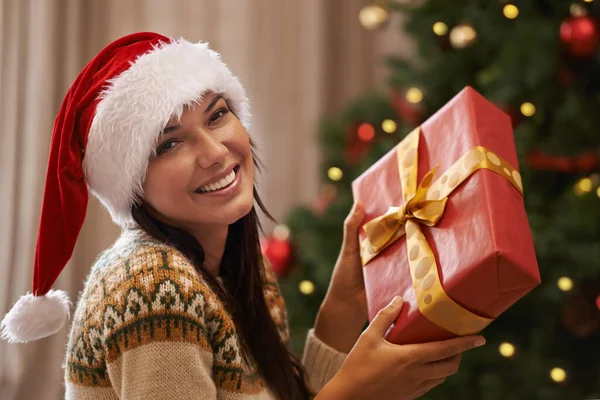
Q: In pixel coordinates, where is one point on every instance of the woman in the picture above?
(182, 306)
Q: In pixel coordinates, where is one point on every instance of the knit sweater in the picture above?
(148, 326)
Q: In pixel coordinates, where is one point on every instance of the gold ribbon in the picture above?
(424, 204)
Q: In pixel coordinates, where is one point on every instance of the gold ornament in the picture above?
(462, 36)
(281, 232)
(373, 17)
(577, 10)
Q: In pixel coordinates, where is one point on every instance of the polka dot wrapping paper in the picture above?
(446, 226)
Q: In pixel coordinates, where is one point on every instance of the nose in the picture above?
(210, 151)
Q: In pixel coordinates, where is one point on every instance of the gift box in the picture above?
(445, 224)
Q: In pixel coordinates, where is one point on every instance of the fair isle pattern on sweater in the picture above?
(142, 292)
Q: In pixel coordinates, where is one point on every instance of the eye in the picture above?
(165, 147)
(219, 114)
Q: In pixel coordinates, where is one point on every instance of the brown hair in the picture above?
(243, 277)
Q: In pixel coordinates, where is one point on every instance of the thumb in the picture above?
(351, 226)
(386, 317)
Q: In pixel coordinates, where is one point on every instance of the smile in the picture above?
(221, 185)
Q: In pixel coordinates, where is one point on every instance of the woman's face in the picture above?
(203, 172)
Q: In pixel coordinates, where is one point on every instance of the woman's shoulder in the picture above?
(139, 281)
(138, 262)
(139, 292)
(131, 244)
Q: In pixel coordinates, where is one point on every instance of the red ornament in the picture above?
(366, 132)
(279, 254)
(356, 148)
(580, 35)
(409, 113)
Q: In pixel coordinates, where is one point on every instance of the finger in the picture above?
(442, 368)
(351, 225)
(386, 317)
(434, 351)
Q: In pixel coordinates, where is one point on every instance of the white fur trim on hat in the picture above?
(35, 317)
(135, 108)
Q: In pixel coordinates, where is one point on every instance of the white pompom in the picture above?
(35, 317)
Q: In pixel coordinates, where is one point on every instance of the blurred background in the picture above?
(334, 85)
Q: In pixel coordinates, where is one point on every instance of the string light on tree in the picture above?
(335, 174)
(598, 301)
(440, 28)
(306, 287)
(462, 36)
(506, 349)
(510, 11)
(389, 126)
(373, 17)
(598, 191)
(366, 132)
(414, 95)
(565, 284)
(583, 186)
(558, 374)
(527, 109)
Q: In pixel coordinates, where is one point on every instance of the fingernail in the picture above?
(480, 341)
(397, 301)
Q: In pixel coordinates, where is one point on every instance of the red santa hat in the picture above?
(103, 136)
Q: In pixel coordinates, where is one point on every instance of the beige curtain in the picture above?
(298, 60)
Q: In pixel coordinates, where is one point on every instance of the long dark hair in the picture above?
(243, 276)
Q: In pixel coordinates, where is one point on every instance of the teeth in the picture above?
(220, 184)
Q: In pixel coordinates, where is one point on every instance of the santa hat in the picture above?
(103, 136)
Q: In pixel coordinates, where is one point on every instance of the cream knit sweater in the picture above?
(148, 327)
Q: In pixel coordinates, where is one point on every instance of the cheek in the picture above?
(164, 185)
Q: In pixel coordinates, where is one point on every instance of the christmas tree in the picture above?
(538, 61)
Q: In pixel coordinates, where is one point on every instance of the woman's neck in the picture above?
(213, 242)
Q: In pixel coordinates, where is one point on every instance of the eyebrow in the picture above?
(212, 104)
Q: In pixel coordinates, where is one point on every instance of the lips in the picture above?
(220, 181)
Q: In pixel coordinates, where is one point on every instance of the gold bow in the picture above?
(425, 204)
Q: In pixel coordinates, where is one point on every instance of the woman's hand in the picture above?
(347, 286)
(378, 369)
(343, 314)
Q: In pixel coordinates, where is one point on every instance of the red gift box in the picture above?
(484, 258)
